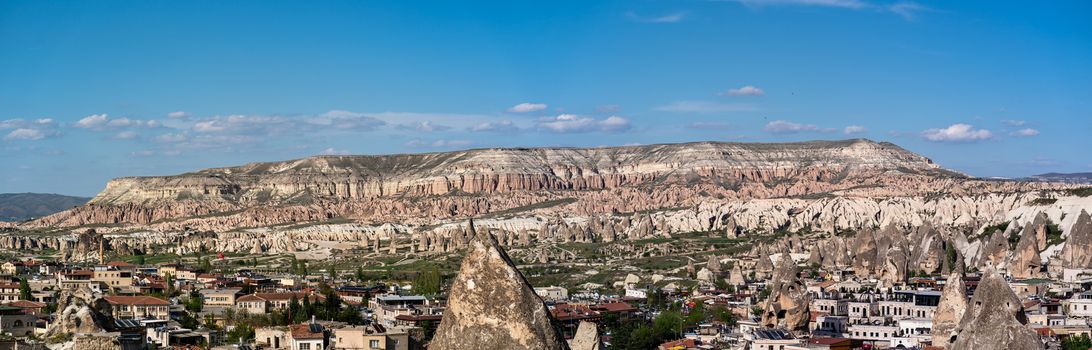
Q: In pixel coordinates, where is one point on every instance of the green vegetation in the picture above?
(1077, 343)
(1043, 201)
(1080, 192)
(1054, 235)
(428, 282)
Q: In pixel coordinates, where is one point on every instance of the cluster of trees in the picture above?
(428, 282)
(299, 267)
(1077, 343)
(669, 325)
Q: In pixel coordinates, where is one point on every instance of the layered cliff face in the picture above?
(490, 171)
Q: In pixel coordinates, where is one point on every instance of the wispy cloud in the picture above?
(668, 18)
(571, 123)
(441, 143)
(744, 91)
(495, 126)
(787, 127)
(957, 133)
(1010, 122)
(705, 107)
(1025, 132)
(527, 107)
(423, 126)
(908, 10)
(334, 152)
(36, 129)
(849, 4)
(100, 122)
(178, 115)
(853, 129)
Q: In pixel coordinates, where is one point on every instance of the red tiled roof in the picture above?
(617, 306)
(572, 312)
(827, 341)
(303, 331)
(27, 304)
(134, 300)
(119, 264)
(687, 343)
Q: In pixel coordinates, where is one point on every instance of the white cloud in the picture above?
(571, 123)
(441, 143)
(527, 107)
(99, 122)
(178, 115)
(423, 126)
(849, 4)
(25, 134)
(853, 129)
(668, 18)
(172, 137)
(29, 129)
(1010, 122)
(957, 133)
(91, 121)
(705, 107)
(345, 120)
(126, 135)
(787, 127)
(907, 9)
(334, 152)
(1025, 132)
(744, 91)
(497, 126)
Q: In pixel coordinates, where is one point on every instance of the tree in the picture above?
(168, 279)
(333, 272)
(722, 314)
(24, 289)
(140, 260)
(667, 326)
(242, 333)
(696, 315)
(294, 310)
(194, 303)
(428, 282)
(360, 274)
(1076, 343)
(186, 320)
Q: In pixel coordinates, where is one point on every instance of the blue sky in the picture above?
(91, 90)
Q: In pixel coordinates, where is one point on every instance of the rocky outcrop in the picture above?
(995, 319)
(1077, 252)
(788, 304)
(1025, 261)
(586, 337)
(490, 304)
(953, 304)
(81, 311)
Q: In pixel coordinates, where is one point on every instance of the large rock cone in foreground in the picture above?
(953, 304)
(788, 304)
(995, 319)
(492, 306)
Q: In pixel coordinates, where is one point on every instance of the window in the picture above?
(305, 346)
(374, 344)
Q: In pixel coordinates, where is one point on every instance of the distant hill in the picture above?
(1063, 177)
(23, 206)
